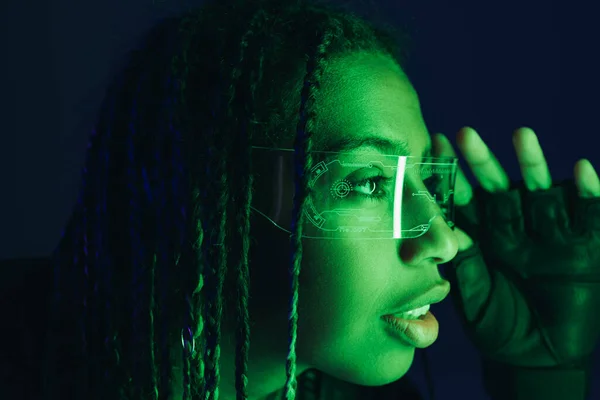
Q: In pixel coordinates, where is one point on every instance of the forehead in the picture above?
(367, 99)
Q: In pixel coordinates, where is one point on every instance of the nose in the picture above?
(439, 244)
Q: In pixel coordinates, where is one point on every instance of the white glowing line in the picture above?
(398, 197)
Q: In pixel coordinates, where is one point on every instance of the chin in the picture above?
(373, 371)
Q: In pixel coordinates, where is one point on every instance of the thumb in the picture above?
(464, 241)
(470, 277)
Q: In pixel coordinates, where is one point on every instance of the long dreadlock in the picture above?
(162, 215)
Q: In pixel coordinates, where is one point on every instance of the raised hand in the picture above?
(492, 177)
(526, 279)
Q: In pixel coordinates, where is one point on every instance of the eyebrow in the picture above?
(386, 146)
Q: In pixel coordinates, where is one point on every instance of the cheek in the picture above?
(345, 286)
(341, 288)
(343, 293)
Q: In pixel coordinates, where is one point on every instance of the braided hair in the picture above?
(163, 217)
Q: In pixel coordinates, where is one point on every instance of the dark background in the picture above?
(491, 65)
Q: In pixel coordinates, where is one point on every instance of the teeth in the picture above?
(414, 314)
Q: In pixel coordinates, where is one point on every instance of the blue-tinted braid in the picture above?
(243, 287)
(211, 290)
(139, 289)
(186, 353)
(175, 84)
(109, 359)
(194, 371)
(218, 147)
(302, 166)
(163, 173)
(75, 228)
(213, 301)
(160, 176)
(209, 270)
(180, 202)
(103, 264)
(243, 215)
(168, 230)
(152, 306)
(217, 309)
(196, 310)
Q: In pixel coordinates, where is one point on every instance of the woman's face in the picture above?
(346, 286)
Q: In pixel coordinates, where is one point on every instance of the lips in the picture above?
(434, 294)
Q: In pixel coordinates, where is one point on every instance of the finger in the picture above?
(586, 179)
(484, 165)
(534, 169)
(463, 192)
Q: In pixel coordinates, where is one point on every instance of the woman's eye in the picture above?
(370, 187)
(373, 187)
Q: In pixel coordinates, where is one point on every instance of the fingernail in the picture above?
(530, 138)
(475, 138)
(439, 136)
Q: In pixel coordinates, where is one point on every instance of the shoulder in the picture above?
(25, 288)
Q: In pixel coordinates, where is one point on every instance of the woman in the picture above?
(172, 278)
(165, 225)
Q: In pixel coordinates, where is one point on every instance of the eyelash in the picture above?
(429, 182)
(374, 179)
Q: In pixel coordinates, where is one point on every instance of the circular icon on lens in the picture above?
(341, 188)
